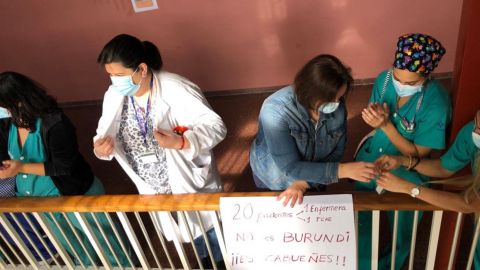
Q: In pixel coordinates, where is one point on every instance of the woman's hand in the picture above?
(103, 147)
(376, 115)
(394, 183)
(10, 168)
(388, 163)
(293, 193)
(169, 139)
(360, 171)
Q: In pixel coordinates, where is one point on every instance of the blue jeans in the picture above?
(214, 245)
(31, 233)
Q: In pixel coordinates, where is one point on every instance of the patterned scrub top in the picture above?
(136, 146)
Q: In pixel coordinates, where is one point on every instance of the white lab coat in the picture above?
(178, 102)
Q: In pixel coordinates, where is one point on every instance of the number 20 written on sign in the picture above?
(245, 213)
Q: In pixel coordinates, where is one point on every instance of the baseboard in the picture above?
(237, 92)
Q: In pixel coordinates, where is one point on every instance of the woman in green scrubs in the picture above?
(408, 111)
(464, 151)
(38, 147)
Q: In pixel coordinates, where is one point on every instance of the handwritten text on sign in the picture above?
(261, 233)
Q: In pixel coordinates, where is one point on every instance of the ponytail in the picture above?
(131, 52)
(153, 59)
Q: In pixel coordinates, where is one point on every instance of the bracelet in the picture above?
(417, 161)
(183, 143)
(409, 162)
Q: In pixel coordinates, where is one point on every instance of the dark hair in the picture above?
(320, 80)
(131, 52)
(25, 99)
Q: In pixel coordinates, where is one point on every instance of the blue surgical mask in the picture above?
(476, 139)
(328, 107)
(4, 113)
(404, 90)
(124, 84)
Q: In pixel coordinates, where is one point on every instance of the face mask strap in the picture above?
(131, 76)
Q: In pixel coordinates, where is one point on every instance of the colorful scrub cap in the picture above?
(418, 53)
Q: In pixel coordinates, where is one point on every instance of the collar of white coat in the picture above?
(161, 107)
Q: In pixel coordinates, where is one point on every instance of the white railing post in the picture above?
(474, 244)
(120, 240)
(18, 240)
(147, 238)
(221, 239)
(51, 253)
(181, 216)
(414, 240)
(178, 244)
(93, 239)
(205, 239)
(30, 240)
(433, 242)
(394, 239)
(158, 228)
(132, 237)
(106, 240)
(455, 241)
(42, 220)
(355, 219)
(6, 254)
(375, 237)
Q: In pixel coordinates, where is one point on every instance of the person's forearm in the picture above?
(447, 200)
(32, 168)
(428, 167)
(342, 171)
(405, 147)
(313, 172)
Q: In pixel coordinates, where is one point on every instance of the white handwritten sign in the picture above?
(261, 233)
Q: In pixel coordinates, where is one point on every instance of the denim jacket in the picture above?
(289, 146)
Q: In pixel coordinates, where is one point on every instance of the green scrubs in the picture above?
(42, 186)
(429, 122)
(462, 152)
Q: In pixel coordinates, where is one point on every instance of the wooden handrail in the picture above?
(187, 202)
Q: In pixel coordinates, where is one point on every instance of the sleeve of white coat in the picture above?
(102, 127)
(206, 128)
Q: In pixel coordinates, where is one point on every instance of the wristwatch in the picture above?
(414, 192)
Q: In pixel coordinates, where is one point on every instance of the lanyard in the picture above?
(410, 125)
(417, 107)
(144, 129)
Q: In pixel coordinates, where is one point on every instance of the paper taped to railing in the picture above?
(261, 233)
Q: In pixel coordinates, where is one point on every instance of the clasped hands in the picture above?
(379, 170)
(376, 115)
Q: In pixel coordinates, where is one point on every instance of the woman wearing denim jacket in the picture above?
(302, 133)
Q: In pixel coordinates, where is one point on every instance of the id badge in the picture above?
(407, 125)
(148, 157)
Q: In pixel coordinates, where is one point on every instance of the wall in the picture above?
(221, 45)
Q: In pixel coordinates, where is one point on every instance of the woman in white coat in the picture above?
(161, 130)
